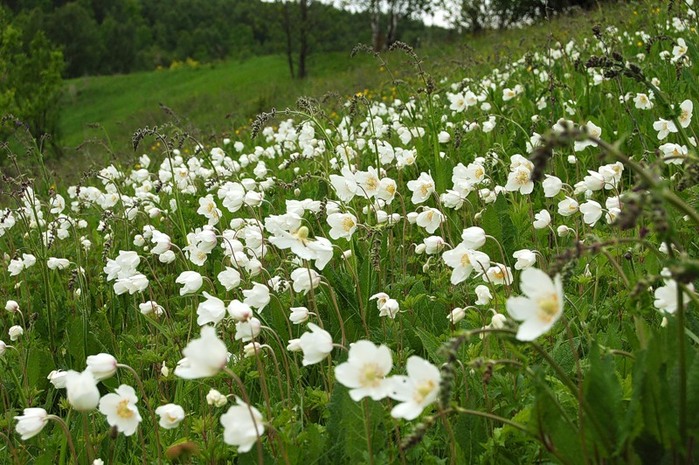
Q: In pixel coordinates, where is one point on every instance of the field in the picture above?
(484, 253)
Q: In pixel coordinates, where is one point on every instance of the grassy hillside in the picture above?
(214, 99)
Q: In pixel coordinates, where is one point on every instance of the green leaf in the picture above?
(603, 394)
(347, 437)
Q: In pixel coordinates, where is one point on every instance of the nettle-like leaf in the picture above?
(347, 434)
(602, 392)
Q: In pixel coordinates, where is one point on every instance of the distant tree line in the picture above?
(122, 36)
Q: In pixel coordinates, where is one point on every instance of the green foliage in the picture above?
(31, 85)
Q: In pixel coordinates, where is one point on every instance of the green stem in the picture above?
(69, 438)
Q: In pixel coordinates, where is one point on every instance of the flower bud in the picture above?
(102, 366)
(216, 399)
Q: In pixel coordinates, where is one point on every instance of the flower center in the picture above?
(425, 189)
(347, 223)
(522, 177)
(123, 409)
(549, 307)
(372, 184)
(423, 390)
(465, 260)
(302, 233)
(371, 375)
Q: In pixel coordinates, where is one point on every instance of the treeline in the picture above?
(122, 36)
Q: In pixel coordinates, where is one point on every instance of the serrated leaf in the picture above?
(347, 438)
(602, 392)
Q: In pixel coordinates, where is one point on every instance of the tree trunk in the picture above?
(287, 31)
(375, 17)
(303, 38)
(392, 29)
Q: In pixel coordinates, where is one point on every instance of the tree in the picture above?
(82, 46)
(30, 77)
(304, 33)
(386, 15)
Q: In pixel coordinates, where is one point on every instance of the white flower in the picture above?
(592, 212)
(102, 366)
(685, 117)
(430, 219)
(464, 261)
(433, 245)
(208, 209)
(342, 225)
(171, 415)
(298, 315)
(15, 332)
(674, 154)
(15, 267)
(247, 330)
(415, 391)
(542, 219)
(120, 409)
(679, 51)
(229, 278)
(422, 188)
(242, 426)
(525, 259)
(212, 310)
(81, 390)
(304, 279)
(498, 274)
(151, 306)
(542, 307)
(456, 315)
(204, 357)
(563, 230)
(594, 181)
(316, 345)
(365, 371)
(257, 297)
(552, 186)
(567, 207)
(367, 183)
(643, 102)
(31, 423)
(54, 263)
(666, 296)
(28, 260)
(473, 237)
(664, 127)
(594, 131)
(12, 306)
(519, 179)
(57, 378)
(483, 294)
(191, 282)
(389, 309)
(216, 399)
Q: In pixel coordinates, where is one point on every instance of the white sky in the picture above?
(439, 18)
